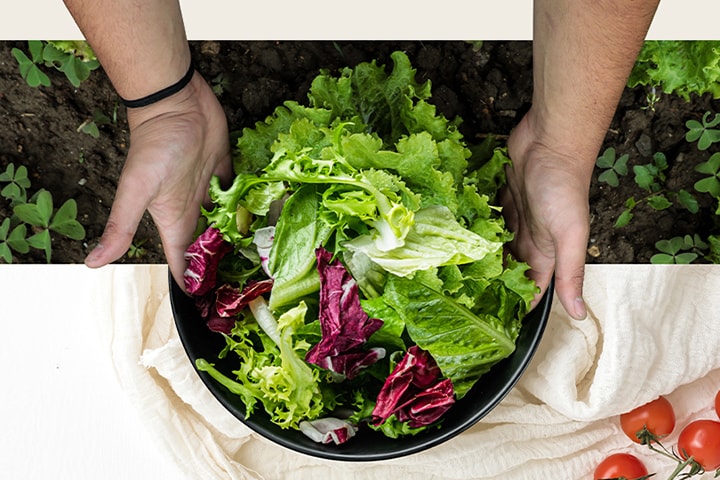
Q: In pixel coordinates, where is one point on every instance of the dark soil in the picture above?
(488, 87)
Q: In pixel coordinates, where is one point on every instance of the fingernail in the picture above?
(94, 254)
(580, 310)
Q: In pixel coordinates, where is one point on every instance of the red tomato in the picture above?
(620, 465)
(701, 440)
(657, 416)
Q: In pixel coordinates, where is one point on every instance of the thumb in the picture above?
(570, 274)
(125, 214)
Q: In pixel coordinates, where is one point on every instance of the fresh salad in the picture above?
(356, 265)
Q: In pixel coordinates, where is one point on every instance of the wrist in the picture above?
(180, 101)
(537, 142)
(163, 93)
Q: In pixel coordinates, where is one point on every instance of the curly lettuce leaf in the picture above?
(273, 374)
(679, 67)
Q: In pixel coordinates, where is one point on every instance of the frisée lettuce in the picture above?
(361, 246)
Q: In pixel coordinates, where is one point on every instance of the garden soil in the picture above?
(488, 85)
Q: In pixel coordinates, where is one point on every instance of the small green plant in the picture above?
(713, 255)
(35, 218)
(92, 126)
(12, 239)
(711, 183)
(30, 66)
(651, 178)
(38, 213)
(17, 184)
(704, 133)
(74, 58)
(137, 250)
(679, 250)
(613, 167)
(219, 84)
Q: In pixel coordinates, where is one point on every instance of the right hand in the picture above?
(176, 146)
(546, 204)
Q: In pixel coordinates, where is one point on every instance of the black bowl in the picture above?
(367, 445)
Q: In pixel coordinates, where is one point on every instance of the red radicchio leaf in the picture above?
(220, 308)
(204, 256)
(350, 364)
(344, 325)
(412, 391)
(231, 300)
(216, 323)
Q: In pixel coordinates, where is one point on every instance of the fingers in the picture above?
(125, 214)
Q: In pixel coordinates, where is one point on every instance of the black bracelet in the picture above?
(161, 94)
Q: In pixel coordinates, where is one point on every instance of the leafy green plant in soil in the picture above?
(613, 167)
(33, 219)
(651, 179)
(681, 68)
(680, 250)
(704, 133)
(74, 58)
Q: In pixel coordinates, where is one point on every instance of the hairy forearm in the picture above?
(583, 53)
(140, 43)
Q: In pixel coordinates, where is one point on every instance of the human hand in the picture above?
(546, 204)
(176, 146)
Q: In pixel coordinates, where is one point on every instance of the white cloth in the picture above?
(652, 330)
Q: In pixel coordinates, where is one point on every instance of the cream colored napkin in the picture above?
(651, 330)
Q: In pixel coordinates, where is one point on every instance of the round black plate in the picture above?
(367, 445)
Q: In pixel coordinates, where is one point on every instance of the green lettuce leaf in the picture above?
(273, 374)
(293, 269)
(679, 67)
(435, 239)
(465, 345)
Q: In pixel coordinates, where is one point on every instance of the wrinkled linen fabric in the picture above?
(652, 330)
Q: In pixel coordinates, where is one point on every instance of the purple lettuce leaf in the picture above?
(344, 325)
(413, 392)
(204, 255)
(232, 300)
(220, 308)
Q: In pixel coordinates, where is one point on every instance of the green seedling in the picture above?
(39, 213)
(675, 250)
(713, 254)
(92, 126)
(219, 84)
(652, 98)
(30, 66)
(137, 250)
(74, 58)
(711, 183)
(17, 184)
(651, 178)
(12, 238)
(704, 133)
(613, 167)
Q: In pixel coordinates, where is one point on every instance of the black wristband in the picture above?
(161, 94)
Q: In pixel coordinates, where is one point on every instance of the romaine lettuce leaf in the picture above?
(463, 344)
(293, 269)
